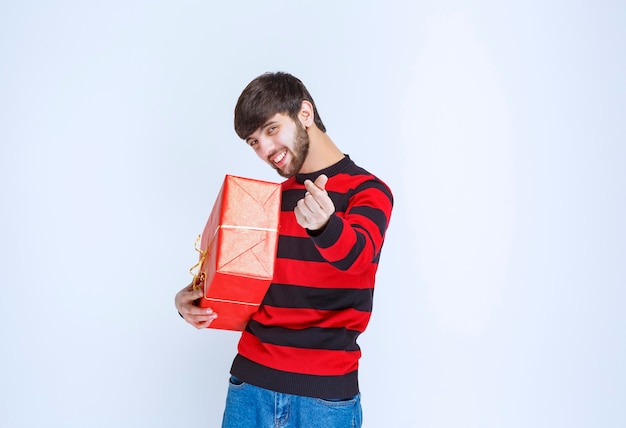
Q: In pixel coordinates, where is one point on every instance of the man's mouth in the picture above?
(279, 157)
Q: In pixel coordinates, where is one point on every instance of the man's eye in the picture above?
(252, 143)
(271, 129)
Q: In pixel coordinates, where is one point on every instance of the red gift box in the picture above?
(238, 250)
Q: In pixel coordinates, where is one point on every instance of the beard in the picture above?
(299, 152)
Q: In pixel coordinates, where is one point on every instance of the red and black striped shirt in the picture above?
(303, 339)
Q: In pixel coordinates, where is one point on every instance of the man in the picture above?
(297, 361)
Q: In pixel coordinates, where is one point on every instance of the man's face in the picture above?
(281, 142)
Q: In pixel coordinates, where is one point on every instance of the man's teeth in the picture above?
(280, 156)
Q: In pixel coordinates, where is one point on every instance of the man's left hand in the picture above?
(314, 210)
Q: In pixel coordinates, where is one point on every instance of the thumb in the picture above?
(197, 293)
(321, 181)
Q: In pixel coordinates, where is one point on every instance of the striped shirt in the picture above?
(303, 339)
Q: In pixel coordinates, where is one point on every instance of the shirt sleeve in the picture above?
(352, 240)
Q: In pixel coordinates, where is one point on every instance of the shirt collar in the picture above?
(334, 169)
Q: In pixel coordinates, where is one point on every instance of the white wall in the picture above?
(499, 127)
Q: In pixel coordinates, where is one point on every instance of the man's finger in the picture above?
(198, 311)
(300, 216)
(321, 181)
(310, 203)
(318, 186)
(320, 196)
(317, 193)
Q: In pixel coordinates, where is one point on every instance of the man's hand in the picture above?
(314, 210)
(194, 315)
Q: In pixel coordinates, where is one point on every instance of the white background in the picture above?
(500, 128)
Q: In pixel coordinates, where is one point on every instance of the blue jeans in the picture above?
(248, 406)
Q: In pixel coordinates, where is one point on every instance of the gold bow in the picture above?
(198, 277)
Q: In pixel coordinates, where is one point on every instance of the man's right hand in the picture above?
(194, 315)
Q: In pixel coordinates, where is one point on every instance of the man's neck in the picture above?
(322, 152)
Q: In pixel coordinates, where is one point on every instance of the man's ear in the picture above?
(306, 114)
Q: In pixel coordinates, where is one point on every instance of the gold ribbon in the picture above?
(198, 277)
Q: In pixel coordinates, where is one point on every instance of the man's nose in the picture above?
(266, 147)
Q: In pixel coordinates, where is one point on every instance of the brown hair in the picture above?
(267, 95)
